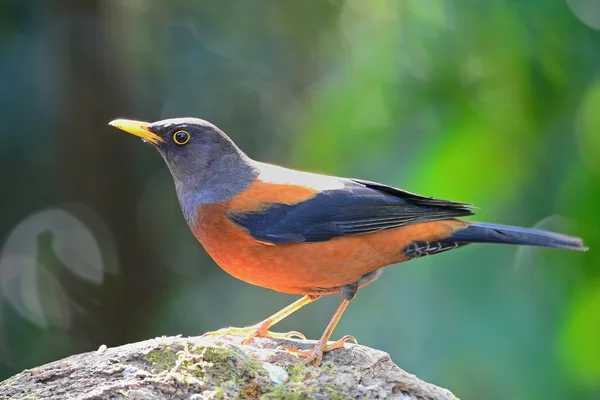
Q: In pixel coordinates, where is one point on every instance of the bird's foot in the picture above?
(315, 355)
(250, 332)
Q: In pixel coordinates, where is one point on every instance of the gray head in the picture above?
(205, 163)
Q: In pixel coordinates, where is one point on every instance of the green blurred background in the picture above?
(495, 103)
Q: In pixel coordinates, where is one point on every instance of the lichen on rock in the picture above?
(203, 368)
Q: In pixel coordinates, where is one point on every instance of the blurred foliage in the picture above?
(494, 103)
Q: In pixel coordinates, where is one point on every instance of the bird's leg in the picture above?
(262, 328)
(315, 355)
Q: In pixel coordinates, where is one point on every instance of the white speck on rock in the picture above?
(276, 373)
(102, 349)
(142, 394)
(209, 394)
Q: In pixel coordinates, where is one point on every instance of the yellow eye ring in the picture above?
(181, 137)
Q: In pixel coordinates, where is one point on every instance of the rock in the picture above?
(205, 368)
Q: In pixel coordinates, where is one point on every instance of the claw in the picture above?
(291, 335)
(251, 332)
(344, 339)
(223, 332)
(315, 355)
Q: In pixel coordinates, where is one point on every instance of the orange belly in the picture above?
(306, 268)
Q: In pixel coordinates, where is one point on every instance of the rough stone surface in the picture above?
(203, 368)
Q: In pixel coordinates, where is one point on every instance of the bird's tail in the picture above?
(492, 233)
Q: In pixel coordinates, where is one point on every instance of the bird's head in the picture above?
(201, 157)
(189, 146)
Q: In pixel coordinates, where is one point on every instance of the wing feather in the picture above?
(359, 207)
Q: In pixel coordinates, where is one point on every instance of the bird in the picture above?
(304, 233)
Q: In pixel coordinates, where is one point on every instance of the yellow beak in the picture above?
(137, 128)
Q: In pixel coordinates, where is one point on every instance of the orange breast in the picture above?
(302, 268)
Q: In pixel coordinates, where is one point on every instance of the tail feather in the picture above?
(494, 233)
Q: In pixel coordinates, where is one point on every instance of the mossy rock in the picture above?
(179, 368)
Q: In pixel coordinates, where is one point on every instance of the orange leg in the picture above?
(262, 328)
(316, 354)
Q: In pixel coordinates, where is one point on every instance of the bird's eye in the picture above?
(181, 137)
